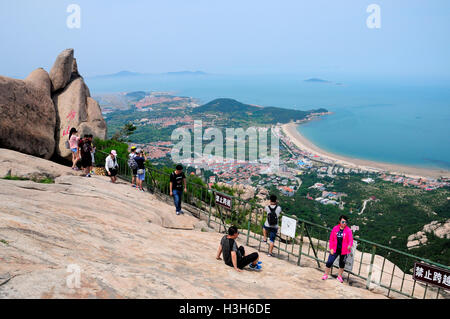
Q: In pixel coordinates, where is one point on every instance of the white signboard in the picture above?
(288, 226)
(349, 260)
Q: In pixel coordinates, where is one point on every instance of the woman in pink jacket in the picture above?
(341, 241)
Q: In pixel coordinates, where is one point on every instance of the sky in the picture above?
(325, 37)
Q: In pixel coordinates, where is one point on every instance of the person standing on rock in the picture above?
(234, 256)
(91, 169)
(86, 158)
(112, 166)
(140, 159)
(271, 224)
(73, 144)
(133, 166)
(177, 180)
(341, 242)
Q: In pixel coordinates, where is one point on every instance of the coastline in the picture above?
(291, 132)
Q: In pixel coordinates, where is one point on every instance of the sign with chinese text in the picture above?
(224, 201)
(288, 226)
(432, 275)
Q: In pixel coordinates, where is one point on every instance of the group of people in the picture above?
(340, 243)
(83, 151)
(136, 161)
(341, 237)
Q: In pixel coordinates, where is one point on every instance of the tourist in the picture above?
(271, 224)
(133, 166)
(177, 180)
(140, 159)
(234, 256)
(86, 158)
(112, 166)
(73, 144)
(91, 169)
(341, 242)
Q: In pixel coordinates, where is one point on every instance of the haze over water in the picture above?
(398, 121)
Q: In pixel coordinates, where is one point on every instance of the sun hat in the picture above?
(133, 147)
(113, 152)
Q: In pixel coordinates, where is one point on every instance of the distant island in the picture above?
(317, 80)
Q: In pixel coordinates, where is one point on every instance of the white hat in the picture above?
(113, 152)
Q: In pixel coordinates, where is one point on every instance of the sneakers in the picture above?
(269, 255)
(325, 277)
(133, 185)
(178, 213)
(257, 267)
(264, 241)
(142, 190)
(88, 175)
(340, 279)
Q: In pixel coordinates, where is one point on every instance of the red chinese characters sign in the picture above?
(432, 275)
(224, 201)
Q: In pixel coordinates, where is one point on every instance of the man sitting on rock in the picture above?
(234, 256)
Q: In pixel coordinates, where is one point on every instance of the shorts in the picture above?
(113, 171)
(74, 150)
(332, 258)
(135, 172)
(272, 233)
(141, 176)
(86, 161)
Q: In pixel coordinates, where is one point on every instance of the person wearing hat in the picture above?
(132, 155)
(140, 160)
(112, 166)
(73, 144)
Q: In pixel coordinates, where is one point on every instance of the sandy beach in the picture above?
(301, 142)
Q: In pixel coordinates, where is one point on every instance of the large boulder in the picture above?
(61, 71)
(74, 108)
(95, 123)
(41, 79)
(27, 121)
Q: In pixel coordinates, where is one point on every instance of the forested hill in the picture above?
(240, 111)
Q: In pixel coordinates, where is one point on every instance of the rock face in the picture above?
(126, 244)
(28, 117)
(62, 70)
(441, 230)
(38, 112)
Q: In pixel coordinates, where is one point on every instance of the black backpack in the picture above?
(272, 217)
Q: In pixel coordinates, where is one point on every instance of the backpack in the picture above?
(272, 217)
(67, 144)
(132, 163)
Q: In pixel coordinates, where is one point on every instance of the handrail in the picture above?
(242, 204)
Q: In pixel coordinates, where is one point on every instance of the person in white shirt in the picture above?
(112, 166)
(271, 224)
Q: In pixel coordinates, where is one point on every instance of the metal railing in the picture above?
(373, 266)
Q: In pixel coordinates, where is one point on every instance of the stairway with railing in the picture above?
(373, 266)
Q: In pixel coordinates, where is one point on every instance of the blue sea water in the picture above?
(400, 121)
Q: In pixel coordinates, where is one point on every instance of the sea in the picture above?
(402, 121)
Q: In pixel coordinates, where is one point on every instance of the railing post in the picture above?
(248, 223)
(369, 277)
(301, 244)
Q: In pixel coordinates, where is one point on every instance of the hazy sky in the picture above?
(232, 36)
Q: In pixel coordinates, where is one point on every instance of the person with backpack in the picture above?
(341, 242)
(133, 165)
(86, 158)
(140, 159)
(73, 145)
(271, 224)
(235, 257)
